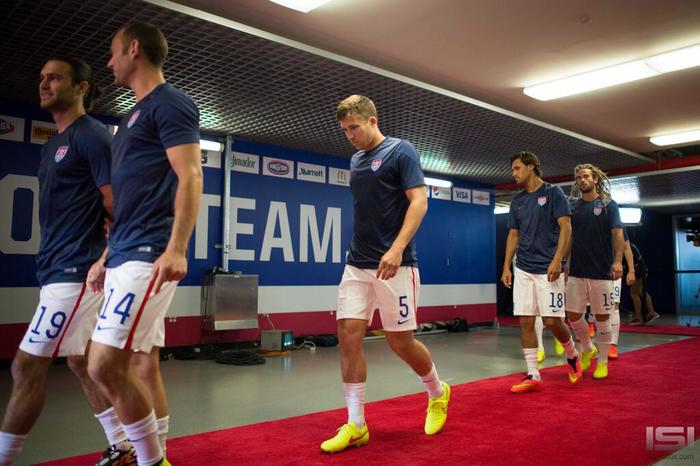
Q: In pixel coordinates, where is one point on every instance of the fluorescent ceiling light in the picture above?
(210, 145)
(676, 60)
(617, 74)
(301, 5)
(498, 210)
(630, 215)
(676, 138)
(437, 182)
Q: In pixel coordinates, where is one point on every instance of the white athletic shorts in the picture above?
(583, 291)
(132, 317)
(535, 295)
(63, 321)
(361, 292)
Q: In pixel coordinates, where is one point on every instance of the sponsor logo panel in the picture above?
(440, 193)
(42, 131)
(11, 128)
(311, 172)
(482, 197)
(278, 167)
(338, 176)
(462, 195)
(246, 163)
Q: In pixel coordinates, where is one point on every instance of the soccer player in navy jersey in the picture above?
(390, 202)
(157, 185)
(595, 263)
(539, 230)
(75, 196)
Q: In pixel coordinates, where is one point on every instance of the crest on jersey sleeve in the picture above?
(542, 200)
(61, 152)
(133, 118)
(376, 163)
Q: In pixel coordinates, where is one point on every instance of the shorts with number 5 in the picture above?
(132, 316)
(535, 295)
(361, 292)
(63, 321)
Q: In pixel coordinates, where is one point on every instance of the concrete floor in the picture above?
(212, 396)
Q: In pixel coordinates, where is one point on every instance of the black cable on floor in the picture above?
(239, 358)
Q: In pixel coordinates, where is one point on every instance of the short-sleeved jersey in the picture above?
(74, 165)
(592, 250)
(143, 182)
(535, 215)
(378, 181)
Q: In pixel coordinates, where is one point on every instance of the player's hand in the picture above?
(631, 278)
(389, 264)
(169, 267)
(95, 280)
(616, 270)
(507, 278)
(554, 270)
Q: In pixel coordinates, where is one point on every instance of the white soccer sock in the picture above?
(539, 328)
(570, 349)
(113, 429)
(604, 340)
(355, 399)
(432, 383)
(163, 428)
(10, 447)
(531, 361)
(615, 322)
(581, 330)
(144, 436)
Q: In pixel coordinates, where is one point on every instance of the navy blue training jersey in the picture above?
(143, 182)
(378, 181)
(74, 165)
(592, 250)
(535, 215)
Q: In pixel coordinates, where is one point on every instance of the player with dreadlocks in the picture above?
(595, 251)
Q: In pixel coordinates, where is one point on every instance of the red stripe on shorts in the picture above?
(415, 304)
(70, 319)
(130, 338)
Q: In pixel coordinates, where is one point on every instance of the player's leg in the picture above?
(129, 322)
(52, 329)
(354, 312)
(576, 303)
(147, 368)
(397, 300)
(551, 299)
(539, 329)
(602, 297)
(525, 308)
(615, 319)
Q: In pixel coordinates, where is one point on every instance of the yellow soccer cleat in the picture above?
(586, 358)
(540, 355)
(558, 347)
(348, 436)
(601, 370)
(436, 414)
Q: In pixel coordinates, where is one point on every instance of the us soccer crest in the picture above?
(542, 200)
(133, 119)
(60, 153)
(597, 210)
(376, 163)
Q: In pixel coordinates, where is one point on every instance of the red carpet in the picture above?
(509, 321)
(594, 423)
